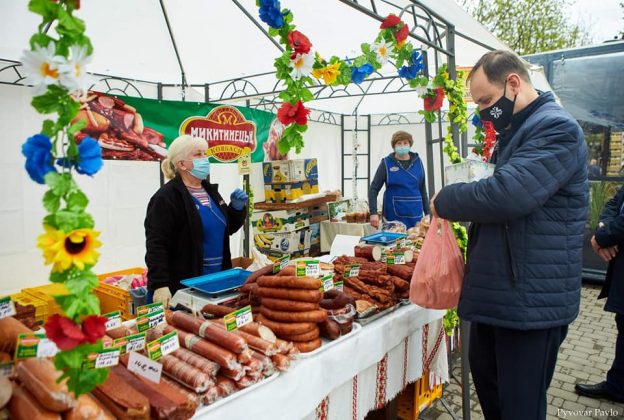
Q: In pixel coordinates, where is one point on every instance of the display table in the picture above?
(329, 230)
(355, 376)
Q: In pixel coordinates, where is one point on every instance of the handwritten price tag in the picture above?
(145, 367)
(339, 285)
(135, 342)
(149, 309)
(145, 322)
(34, 345)
(328, 283)
(103, 359)
(393, 258)
(114, 320)
(352, 270)
(281, 264)
(7, 307)
(308, 268)
(238, 318)
(163, 345)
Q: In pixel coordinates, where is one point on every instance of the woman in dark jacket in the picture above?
(187, 226)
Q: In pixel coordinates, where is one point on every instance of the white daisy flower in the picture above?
(41, 67)
(302, 65)
(383, 51)
(73, 73)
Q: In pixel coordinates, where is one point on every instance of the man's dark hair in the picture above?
(499, 64)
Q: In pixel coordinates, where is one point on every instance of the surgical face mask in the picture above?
(500, 113)
(402, 150)
(201, 168)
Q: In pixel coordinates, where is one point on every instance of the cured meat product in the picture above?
(209, 331)
(88, 409)
(335, 299)
(318, 315)
(283, 346)
(24, 405)
(225, 385)
(290, 282)
(246, 382)
(315, 333)
(287, 328)
(245, 356)
(400, 284)
(10, 328)
(266, 270)
(308, 346)
(402, 271)
(121, 399)
(234, 374)
(301, 295)
(185, 373)
(373, 277)
(194, 397)
(369, 252)
(211, 395)
(288, 305)
(268, 368)
(281, 362)
(223, 357)
(256, 343)
(378, 293)
(218, 311)
(206, 366)
(330, 329)
(40, 377)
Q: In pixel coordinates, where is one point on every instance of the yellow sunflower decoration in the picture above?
(64, 250)
(328, 73)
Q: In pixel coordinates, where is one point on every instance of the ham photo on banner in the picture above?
(131, 128)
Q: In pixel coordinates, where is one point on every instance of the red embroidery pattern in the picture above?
(405, 355)
(355, 397)
(322, 410)
(382, 379)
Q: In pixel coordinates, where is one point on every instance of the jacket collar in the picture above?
(413, 157)
(179, 184)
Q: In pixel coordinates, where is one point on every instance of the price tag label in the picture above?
(352, 270)
(327, 283)
(163, 346)
(145, 322)
(145, 367)
(238, 318)
(402, 243)
(308, 268)
(34, 345)
(281, 264)
(135, 342)
(244, 164)
(102, 359)
(7, 369)
(7, 307)
(339, 285)
(149, 309)
(393, 258)
(113, 320)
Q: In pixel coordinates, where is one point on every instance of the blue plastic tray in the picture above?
(383, 238)
(218, 283)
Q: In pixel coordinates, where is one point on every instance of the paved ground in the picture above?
(585, 356)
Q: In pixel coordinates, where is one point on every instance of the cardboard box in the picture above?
(285, 192)
(275, 255)
(242, 262)
(280, 220)
(283, 242)
(468, 171)
(338, 210)
(285, 171)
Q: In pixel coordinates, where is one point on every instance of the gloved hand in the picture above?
(162, 295)
(238, 199)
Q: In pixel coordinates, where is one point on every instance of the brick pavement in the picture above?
(585, 356)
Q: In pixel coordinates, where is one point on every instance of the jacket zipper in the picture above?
(510, 255)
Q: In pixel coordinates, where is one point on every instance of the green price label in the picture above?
(145, 322)
(327, 283)
(34, 345)
(113, 320)
(281, 264)
(7, 307)
(135, 342)
(163, 345)
(102, 359)
(238, 318)
(308, 268)
(339, 285)
(151, 308)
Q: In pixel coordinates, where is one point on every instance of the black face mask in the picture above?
(500, 113)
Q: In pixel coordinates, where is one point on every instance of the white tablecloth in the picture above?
(342, 382)
(329, 230)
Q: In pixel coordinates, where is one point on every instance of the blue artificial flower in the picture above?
(271, 14)
(418, 60)
(358, 74)
(476, 120)
(89, 156)
(38, 152)
(408, 72)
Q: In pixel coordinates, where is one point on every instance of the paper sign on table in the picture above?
(163, 346)
(145, 322)
(103, 359)
(308, 268)
(7, 307)
(238, 318)
(145, 367)
(113, 320)
(149, 309)
(34, 345)
(281, 264)
(135, 342)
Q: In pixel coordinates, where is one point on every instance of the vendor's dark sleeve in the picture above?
(423, 192)
(612, 233)
(236, 218)
(159, 232)
(378, 181)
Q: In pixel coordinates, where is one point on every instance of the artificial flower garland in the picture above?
(55, 67)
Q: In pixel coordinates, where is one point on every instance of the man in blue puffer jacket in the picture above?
(523, 276)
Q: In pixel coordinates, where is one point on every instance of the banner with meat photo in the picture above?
(131, 128)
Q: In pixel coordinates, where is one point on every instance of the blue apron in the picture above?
(213, 224)
(402, 198)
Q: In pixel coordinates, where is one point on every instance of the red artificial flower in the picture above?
(64, 332)
(288, 113)
(390, 22)
(299, 43)
(490, 139)
(434, 103)
(401, 34)
(94, 328)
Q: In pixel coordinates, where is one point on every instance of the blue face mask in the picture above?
(402, 150)
(201, 168)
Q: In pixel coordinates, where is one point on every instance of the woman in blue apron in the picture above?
(188, 224)
(402, 172)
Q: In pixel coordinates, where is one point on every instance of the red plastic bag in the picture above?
(439, 272)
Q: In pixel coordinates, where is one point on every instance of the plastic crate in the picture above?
(423, 395)
(41, 306)
(113, 298)
(46, 293)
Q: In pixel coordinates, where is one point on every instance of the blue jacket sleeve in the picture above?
(423, 192)
(533, 174)
(378, 181)
(612, 233)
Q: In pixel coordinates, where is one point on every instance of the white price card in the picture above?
(7, 307)
(113, 320)
(145, 367)
(328, 282)
(163, 346)
(308, 268)
(238, 318)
